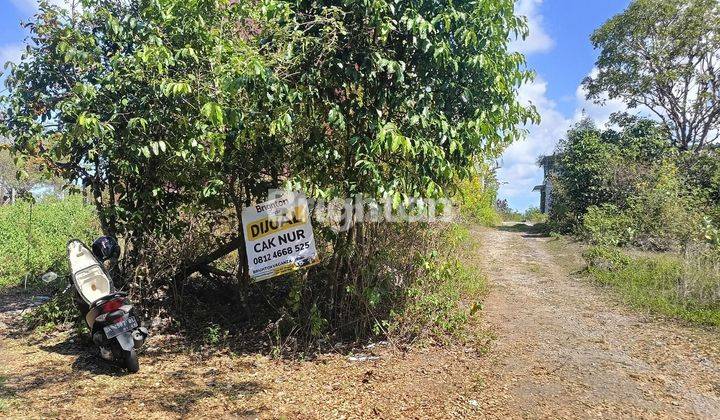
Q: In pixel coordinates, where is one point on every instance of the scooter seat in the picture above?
(90, 279)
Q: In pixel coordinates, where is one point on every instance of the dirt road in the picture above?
(566, 349)
(562, 349)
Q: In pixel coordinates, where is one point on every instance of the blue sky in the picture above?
(12, 12)
(558, 49)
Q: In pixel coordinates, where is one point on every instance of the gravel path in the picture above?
(564, 348)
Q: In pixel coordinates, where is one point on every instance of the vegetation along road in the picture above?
(560, 347)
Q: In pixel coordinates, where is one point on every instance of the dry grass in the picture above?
(60, 378)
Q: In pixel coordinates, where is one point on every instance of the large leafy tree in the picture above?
(146, 102)
(168, 108)
(664, 55)
(411, 93)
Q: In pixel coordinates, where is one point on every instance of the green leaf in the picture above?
(397, 200)
(213, 112)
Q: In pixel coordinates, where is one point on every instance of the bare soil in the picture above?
(567, 349)
(562, 348)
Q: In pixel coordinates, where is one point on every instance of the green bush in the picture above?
(511, 216)
(662, 214)
(606, 225)
(666, 213)
(605, 258)
(477, 200)
(592, 167)
(685, 287)
(34, 248)
(446, 293)
(630, 187)
(534, 215)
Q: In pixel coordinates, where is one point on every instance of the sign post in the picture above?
(278, 236)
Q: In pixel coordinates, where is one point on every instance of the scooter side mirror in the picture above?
(49, 277)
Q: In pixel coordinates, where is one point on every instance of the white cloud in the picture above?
(10, 52)
(519, 172)
(538, 40)
(600, 113)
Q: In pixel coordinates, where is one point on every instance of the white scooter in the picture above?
(114, 326)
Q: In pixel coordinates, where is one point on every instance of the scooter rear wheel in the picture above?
(131, 360)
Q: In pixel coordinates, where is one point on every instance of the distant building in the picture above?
(546, 162)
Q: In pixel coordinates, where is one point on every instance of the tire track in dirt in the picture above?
(564, 348)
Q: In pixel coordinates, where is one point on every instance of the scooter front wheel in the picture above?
(131, 360)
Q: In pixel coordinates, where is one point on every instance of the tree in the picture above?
(664, 55)
(411, 93)
(170, 108)
(595, 167)
(144, 102)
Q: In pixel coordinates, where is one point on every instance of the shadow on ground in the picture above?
(87, 358)
(528, 230)
(168, 386)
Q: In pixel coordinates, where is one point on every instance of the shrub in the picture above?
(446, 293)
(686, 287)
(34, 248)
(477, 200)
(593, 167)
(629, 187)
(605, 258)
(665, 214)
(662, 215)
(410, 284)
(606, 225)
(534, 215)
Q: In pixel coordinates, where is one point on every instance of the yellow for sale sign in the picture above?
(278, 236)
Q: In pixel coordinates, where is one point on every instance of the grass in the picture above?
(684, 287)
(33, 248)
(447, 294)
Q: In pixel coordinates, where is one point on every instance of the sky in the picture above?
(558, 49)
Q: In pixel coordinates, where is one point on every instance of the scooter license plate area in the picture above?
(128, 324)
